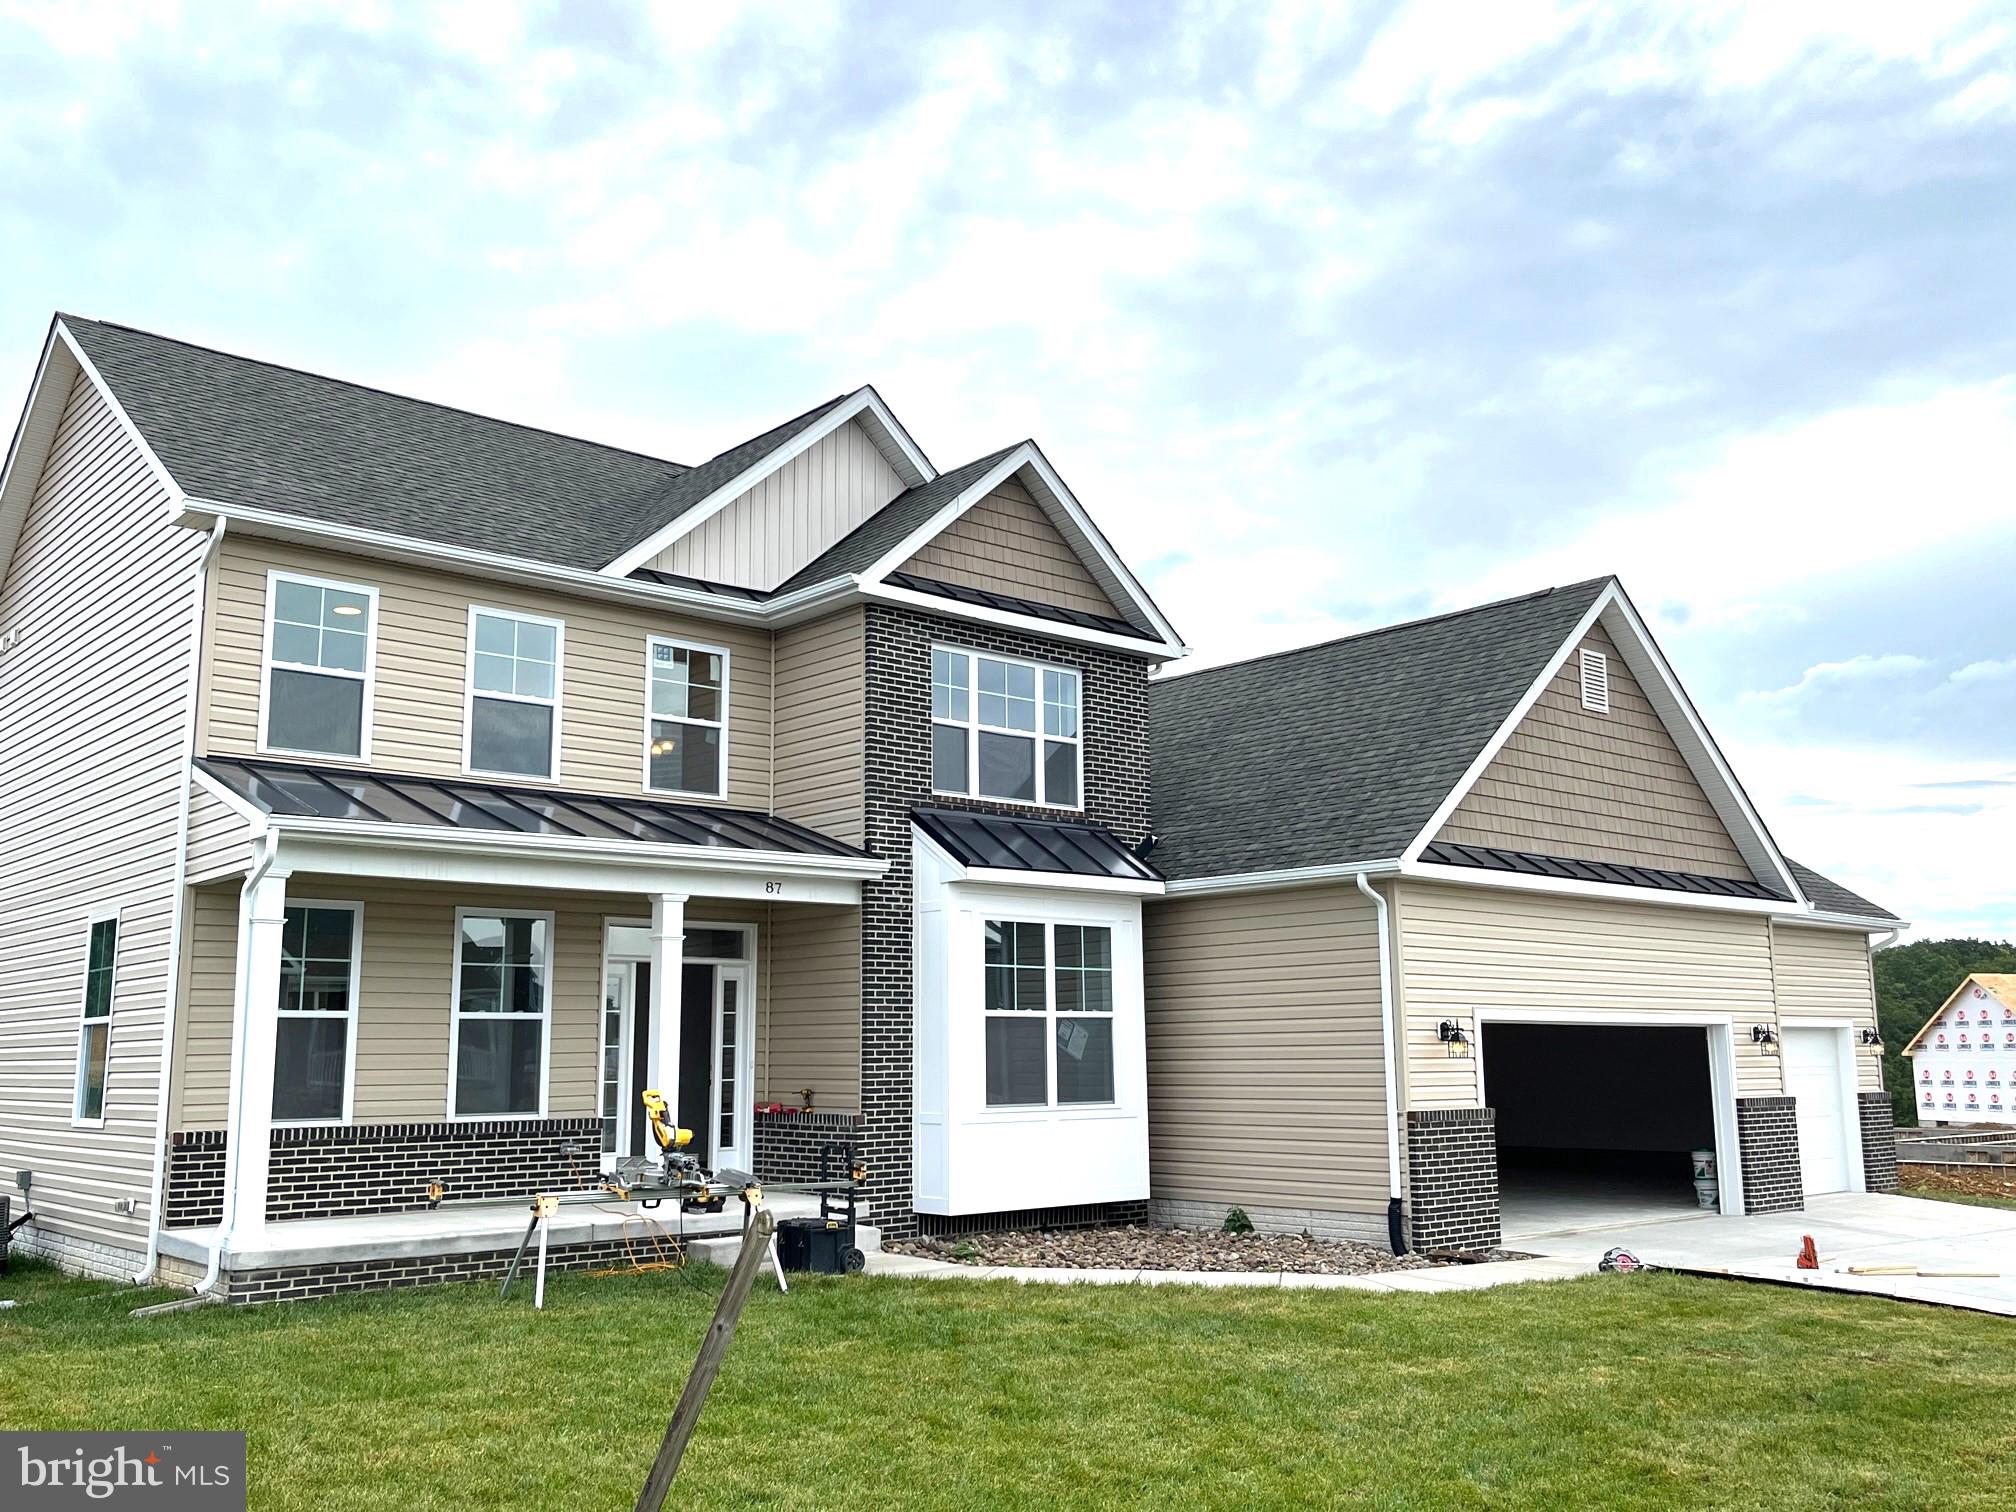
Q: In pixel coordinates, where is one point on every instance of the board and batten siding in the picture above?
(1265, 1074)
(1596, 787)
(1006, 544)
(423, 636)
(1823, 973)
(1462, 949)
(821, 736)
(788, 519)
(93, 695)
(810, 1024)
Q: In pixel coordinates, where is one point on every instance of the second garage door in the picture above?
(1815, 1076)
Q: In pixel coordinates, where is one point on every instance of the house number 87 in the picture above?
(773, 888)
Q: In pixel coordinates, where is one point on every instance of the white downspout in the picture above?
(1389, 1033)
(178, 917)
(269, 847)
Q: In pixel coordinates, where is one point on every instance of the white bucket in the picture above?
(1708, 1192)
(1704, 1163)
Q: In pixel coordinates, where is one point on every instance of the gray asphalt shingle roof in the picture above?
(865, 545)
(1830, 896)
(240, 431)
(1339, 752)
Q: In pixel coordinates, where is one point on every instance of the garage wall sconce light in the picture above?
(1454, 1040)
(1765, 1035)
(1872, 1039)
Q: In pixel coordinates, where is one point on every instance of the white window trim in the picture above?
(369, 677)
(455, 1014)
(1049, 1016)
(651, 643)
(349, 1114)
(92, 921)
(470, 695)
(1595, 670)
(973, 727)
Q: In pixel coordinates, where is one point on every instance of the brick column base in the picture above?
(1767, 1135)
(1452, 1179)
(1879, 1142)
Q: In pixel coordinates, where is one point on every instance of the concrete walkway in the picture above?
(1848, 1228)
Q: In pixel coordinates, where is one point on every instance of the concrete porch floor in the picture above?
(471, 1229)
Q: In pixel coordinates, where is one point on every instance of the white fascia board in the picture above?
(154, 463)
(1690, 733)
(1608, 892)
(1168, 646)
(994, 876)
(35, 432)
(909, 463)
(1298, 876)
(1854, 922)
(1148, 650)
(1455, 796)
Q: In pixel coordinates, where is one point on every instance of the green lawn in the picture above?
(1627, 1391)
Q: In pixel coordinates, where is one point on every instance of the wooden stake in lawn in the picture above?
(707, 1364)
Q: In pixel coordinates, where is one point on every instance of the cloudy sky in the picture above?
(1333, 315)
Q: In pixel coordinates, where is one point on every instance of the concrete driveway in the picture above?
(1847, 1228)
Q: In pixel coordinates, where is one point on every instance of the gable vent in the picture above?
(1596, 682)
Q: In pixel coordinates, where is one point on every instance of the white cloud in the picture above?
(1855, 669)
(1985, 671)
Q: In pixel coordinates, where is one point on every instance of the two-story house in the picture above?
(394, 794)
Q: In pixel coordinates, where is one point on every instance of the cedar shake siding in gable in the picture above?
(1006, 544)
(1265, 1076)
(821, 708)
(786, 520)
(93, 702)
(423, 635)
(1596, 787)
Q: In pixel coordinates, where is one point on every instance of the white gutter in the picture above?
(1298, 876)
(1390, 1029)
(178, 917)
(241, 995)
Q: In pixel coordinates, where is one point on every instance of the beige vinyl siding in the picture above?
(822, 701)
(1824, 973)
(1468, 948)
(1597, 787)
(201, 1090)
(1265, 1075)
(786, 520)
(92, 707)
(1006, 543)
(220, 838)
(423, 634)
(811, 1026)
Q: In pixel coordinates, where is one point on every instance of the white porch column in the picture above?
(248, 1150)
(668, 934)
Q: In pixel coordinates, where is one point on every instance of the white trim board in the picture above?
(1612, 608)
(864, 404)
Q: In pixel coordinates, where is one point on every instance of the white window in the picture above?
(1004, 729)
(497, 1052)
(1049, 1007)
(1596, 682)
(316, 1052)
(685, 718)
(94, 1024)
(512, 728)
(321, 645)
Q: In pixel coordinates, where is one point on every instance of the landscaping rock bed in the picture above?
(1136, 1247)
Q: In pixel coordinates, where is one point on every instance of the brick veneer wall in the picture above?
(1879, 1141)
(295, 1282)
(897, 769)
(344, 1171)
(788, 1144)
(1452, 1179)
(1767, 1135)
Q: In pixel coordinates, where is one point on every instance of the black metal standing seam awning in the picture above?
(289, 790)
(1491, 858)
(999, 843)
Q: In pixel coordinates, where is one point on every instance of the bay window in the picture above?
(1048, 1003)
(502, 1008)
(686, 718)
(316, 685)
(512, 723)
(316, 1042)
(1004, 729)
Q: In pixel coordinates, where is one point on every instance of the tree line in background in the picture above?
(1912, 982)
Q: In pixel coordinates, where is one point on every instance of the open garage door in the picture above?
(1597, 1122)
